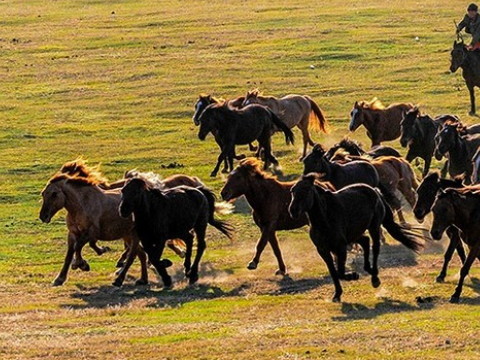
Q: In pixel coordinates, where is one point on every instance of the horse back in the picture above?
(356, 172)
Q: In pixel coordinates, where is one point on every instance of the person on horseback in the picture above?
(471, 24)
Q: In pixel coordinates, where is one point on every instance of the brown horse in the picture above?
(293, 110)
(92, 213)
(269, 199)
(382, 123)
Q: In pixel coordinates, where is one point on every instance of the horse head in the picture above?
(407, 126)
(457, 55)
(444, 211)
(446, 138)
(53, 200)
(356, 117)
(202, 102)
(315, 161)
(131, 194)
(251, 97)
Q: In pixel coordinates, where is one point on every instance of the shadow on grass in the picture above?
(289, 286)
(355, 311)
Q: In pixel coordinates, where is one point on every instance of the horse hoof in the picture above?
(166, 263)
(105, 249)
(74, 266)
(141, 282)
(117, 283)
(472, 113)
(336, 299)
(192, 279)
(119, 264)
(281, 272)
(181, 254)
(252, 265)
(84, 266)
(354, 276)
(455, 299)
(440, 279)
(213, 174)
(376, 282)
(241, 157)
(225, 171)
(58, 282)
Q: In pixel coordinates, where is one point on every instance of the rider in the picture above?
(471, 23)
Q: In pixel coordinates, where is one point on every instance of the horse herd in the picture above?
(345, 191)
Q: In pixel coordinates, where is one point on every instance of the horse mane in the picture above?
(254, 166)
(78, 168)
(374, 104)
(466, 190)
(255, 92)
(151, 179)
(75, 179)
(211, 97)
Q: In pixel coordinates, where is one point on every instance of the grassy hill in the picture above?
(116, 82)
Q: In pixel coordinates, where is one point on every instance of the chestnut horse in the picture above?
(92, 214)
(293, 110)
(269, 199)
(382, 123)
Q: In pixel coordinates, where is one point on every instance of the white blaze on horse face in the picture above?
(199, 105)
(352, 121)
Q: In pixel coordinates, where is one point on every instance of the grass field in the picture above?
(116, 82)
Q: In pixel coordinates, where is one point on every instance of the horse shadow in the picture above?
(287, 285)
(356, 311)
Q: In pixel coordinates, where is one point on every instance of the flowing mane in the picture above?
(211, 97)
(75, 179)
(374, 104)
(152, 180)
(78, 169)
(254, 166)
(255, 92)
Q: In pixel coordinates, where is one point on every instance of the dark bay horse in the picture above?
(382, 123)
(469, 61)
(459, 208)
(269, 199)
(341, 218)
(166, 214)
(237, 127)
(92, 214)
(418, 134)
(431, 185)
(459, 150)
(294, 110)
(206, 99)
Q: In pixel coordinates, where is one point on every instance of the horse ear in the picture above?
(454, 43)
(356, 104)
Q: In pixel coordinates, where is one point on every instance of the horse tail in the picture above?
(213, 206)
(289, 137)
(318, 121)
(389, 196)
(400, 232)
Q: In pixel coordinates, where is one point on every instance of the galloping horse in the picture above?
(469, 61)
(293, 110)
(382, 123)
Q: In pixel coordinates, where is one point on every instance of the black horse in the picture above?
(174, 213)
(354, 148)
(469, 61)
(418, 133)
(431, 185)
(458, 149)
(241, 126)
(341, 218)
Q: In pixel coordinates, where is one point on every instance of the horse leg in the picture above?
(79, 262)
(200, 231)
(172, 244)
(221, 157)
(142, 256)
(121, 261)
(188, 253)
(375, 233)
(100, 250)
(454, 242)
(262, 242)
(251, 147)
(132, 253)
(364, 242)
(426, 166)
(341, 260)
(474, 251)
(154, 254)
(325, 254)
(273, 240)
(471, 90)
(307, 140)
(62, 276)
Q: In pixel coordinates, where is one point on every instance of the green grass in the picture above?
(116, 83)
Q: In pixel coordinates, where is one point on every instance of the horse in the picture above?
(341, 218)
(163, 214)
(459, 208)
(236, 127)
(354, 148)
(469, 61)
(476, 167)
(459, 150)
(382, 123)
(269, 199)
(206, 99)
(91, 215)
(418, 134)
(426, 193)
(294, 110)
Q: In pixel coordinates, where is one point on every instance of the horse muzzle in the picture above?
(436, 234)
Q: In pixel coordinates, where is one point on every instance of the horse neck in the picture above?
(459, 153)
(369, 118)
(463, 212)
(471, 64)
(78, 198)
(257, 190)
(317, 214)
